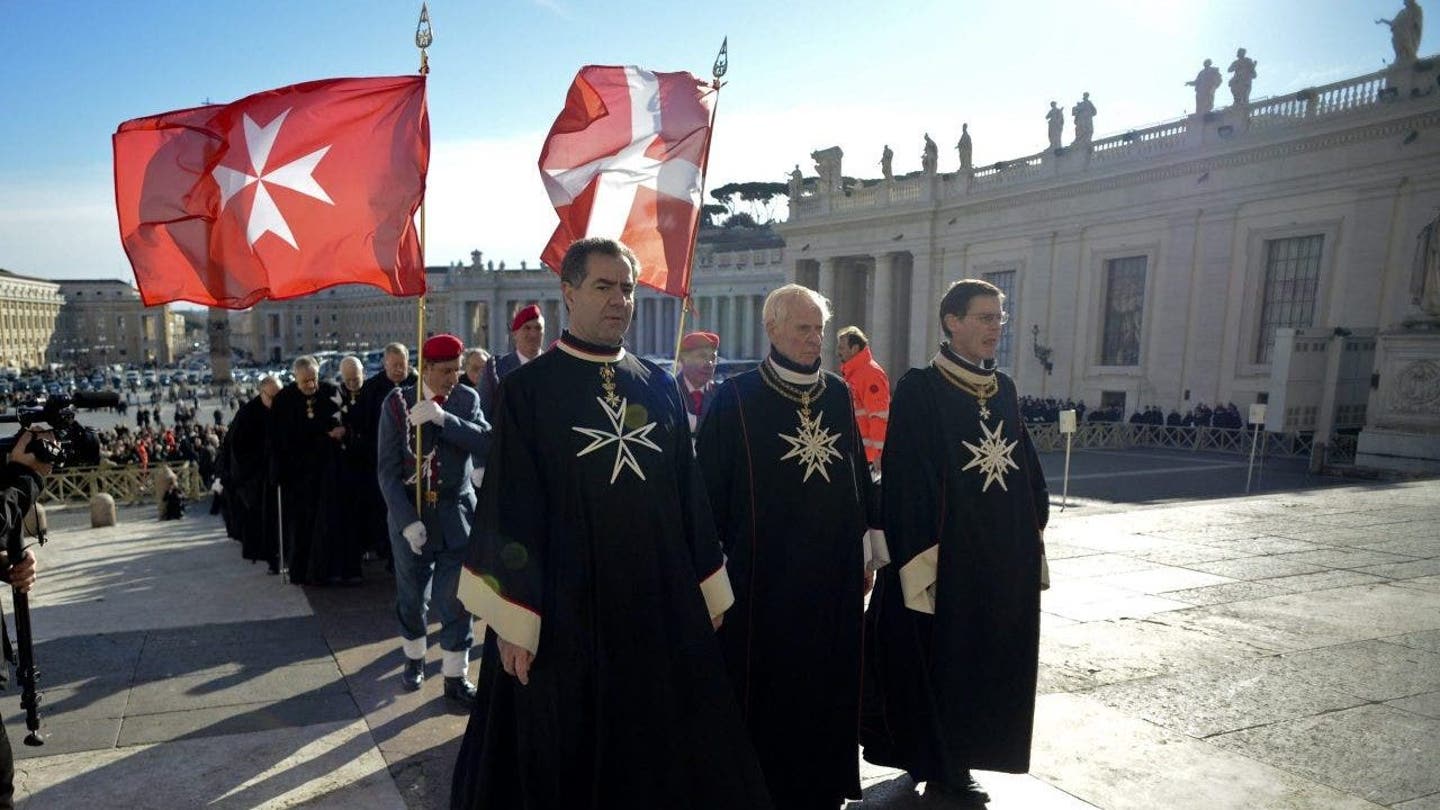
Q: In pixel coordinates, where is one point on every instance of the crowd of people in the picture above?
(1038, 410)
(668, 570)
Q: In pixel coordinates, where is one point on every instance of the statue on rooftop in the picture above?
(964, 147)
(1084, 115)
(797, 180)
(886, 159)
(1207, 81)
(1405, 32)
(1245, 74)
(828, 165)
(1056, 120)
(930, 158)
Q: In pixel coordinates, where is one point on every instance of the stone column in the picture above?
(924, 334)
(881, 314)
(829, 266)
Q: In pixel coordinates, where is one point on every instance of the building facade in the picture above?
(734, 270)
(1155, 266)
(103, 322)
(28, 311)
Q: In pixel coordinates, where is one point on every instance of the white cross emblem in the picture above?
(297, 175)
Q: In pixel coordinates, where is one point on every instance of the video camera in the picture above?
(69, 442)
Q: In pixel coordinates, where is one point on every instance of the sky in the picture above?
(804, 75)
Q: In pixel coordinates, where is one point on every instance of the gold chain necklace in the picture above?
(795, 393)
(981, 392)
(607, 382)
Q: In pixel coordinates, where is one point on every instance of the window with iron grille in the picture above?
(1291, 285)
(1004, 350)
(1124, 306)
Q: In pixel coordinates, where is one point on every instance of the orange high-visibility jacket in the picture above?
(870, 391)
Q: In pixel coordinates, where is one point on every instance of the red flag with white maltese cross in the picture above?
(626, 159)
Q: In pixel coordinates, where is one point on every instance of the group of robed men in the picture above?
(673, 585)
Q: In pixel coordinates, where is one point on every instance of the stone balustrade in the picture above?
(1357, 94)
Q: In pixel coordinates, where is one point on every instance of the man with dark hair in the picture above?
(953, 627)
(789, 488)
(527, 333)
(428, 543)
(595, 567)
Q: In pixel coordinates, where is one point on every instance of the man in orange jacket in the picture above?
(869, 390)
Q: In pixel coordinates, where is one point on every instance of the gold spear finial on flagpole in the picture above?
(717, 70)
(423, 37)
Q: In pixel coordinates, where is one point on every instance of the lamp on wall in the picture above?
(1042, 353)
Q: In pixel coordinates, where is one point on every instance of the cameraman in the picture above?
(21, 480)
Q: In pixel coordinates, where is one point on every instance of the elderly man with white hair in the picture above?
(304, 458)
(789, 487)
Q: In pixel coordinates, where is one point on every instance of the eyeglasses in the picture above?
(991, 318)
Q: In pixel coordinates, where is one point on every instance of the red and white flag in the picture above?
(277, 195)
(626, 159)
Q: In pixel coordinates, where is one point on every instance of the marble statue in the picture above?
(1405, 32)
(797, 181)
(964, 147)
(1425, 278)
(930, 158)
(1084, 115)
(1207, 81)
(827, 164)
(1056, 120)
(1244, 69)
(887, 158)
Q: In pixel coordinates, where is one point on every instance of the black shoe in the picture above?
(414, 674)
(460, 690)
(965, 792)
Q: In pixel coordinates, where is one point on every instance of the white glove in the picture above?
(477, 477)
(427, 411)
(217, 487)
(414, 534)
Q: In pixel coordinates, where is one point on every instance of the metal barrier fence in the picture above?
(1124, 435)
(128, 484)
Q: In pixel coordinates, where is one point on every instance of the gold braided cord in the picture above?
(796, 394)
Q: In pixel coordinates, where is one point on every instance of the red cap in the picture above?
(524, 316)
(700, 340)
(440, 348)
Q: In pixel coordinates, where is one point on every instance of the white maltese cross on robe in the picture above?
(620, 437)
(992, 456)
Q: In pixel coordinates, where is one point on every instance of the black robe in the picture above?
(251, 492)
(955, 689)
(599, 554)
(305, 461)
(362, 433)
(793, 534)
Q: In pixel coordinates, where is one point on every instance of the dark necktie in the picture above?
(696, 399)
(439, 399)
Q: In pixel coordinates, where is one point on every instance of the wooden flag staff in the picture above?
(722, 64)
(423, 37)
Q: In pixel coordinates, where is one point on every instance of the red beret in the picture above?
(700, 340)
(440, 348)
(524, 316)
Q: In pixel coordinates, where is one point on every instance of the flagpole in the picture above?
(423, 37)
(722, 64)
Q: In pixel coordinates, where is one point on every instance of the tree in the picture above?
(757, 199)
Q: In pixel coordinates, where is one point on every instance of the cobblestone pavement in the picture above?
(1199, 650)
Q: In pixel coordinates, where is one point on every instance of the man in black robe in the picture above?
(361, 435)
(788, 484)
(251, 491)
(595, 566)
(304, 454)
(953, 627)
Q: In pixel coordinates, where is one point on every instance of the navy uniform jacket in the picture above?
(457, 444)
(495, 370)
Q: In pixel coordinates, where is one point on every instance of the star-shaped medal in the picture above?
(812, 447)
(622, 438)
(298, 175)
(992, 456)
